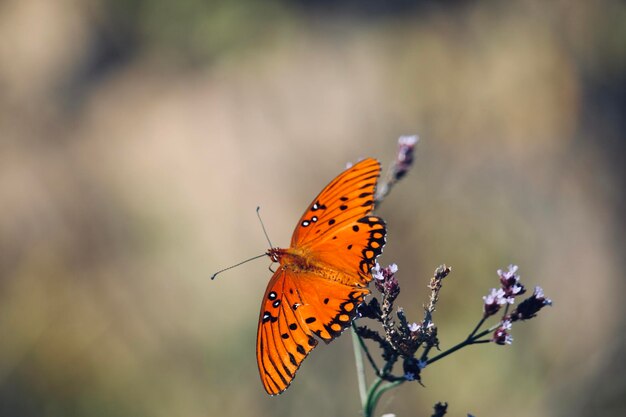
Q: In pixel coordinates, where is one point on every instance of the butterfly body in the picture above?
(322, 277)
(299, 261)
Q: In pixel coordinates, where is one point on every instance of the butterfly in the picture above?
(322, 277)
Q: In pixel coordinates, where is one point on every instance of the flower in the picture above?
(412, 368)
(494, 300)
(501, 335)
(377, 273)
(529, 308)
(510, 282)
(385, 279)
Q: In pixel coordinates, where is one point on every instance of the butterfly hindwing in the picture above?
(283, 337)
(329, 305)
(295, 307)
(354, 248)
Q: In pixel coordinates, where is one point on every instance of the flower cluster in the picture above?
(510, 288)
(401, 339)
(385, 280)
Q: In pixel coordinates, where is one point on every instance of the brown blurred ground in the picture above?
(137, 137)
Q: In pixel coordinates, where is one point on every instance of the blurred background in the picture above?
(137, 137)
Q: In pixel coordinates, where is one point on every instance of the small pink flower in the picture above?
(493, 301)
(510, 282)
(501, 335)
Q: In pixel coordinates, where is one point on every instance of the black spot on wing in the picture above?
(292, 359)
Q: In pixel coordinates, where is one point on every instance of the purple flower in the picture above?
(385, 279)
(412, 368)
(414, 327)
(494, 300)
(377, 273)
(529, 308)
(501, 335)
(510, 282)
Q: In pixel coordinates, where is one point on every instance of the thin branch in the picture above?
(478, 326)
(469, 341)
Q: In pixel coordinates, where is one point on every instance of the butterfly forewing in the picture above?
(344, 200)
(354, 248)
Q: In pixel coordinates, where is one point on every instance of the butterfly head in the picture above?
(275, 254)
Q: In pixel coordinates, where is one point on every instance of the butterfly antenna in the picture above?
(263, 226)
(236, 265)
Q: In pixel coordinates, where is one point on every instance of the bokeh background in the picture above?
(137, 137)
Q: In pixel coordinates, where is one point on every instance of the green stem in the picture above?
(360, 369)
(368, 408)
(375, 393)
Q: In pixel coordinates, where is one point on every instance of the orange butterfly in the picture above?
(322, 276)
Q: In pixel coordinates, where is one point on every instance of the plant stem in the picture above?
(368, 408)
(375, 393)
(366, 350)
(360, 369)
(480, 323)
(471, 339)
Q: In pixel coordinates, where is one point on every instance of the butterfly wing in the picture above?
(353, 249)
(343, 201)
(283, 339)
(295, 307)
(336, 228)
